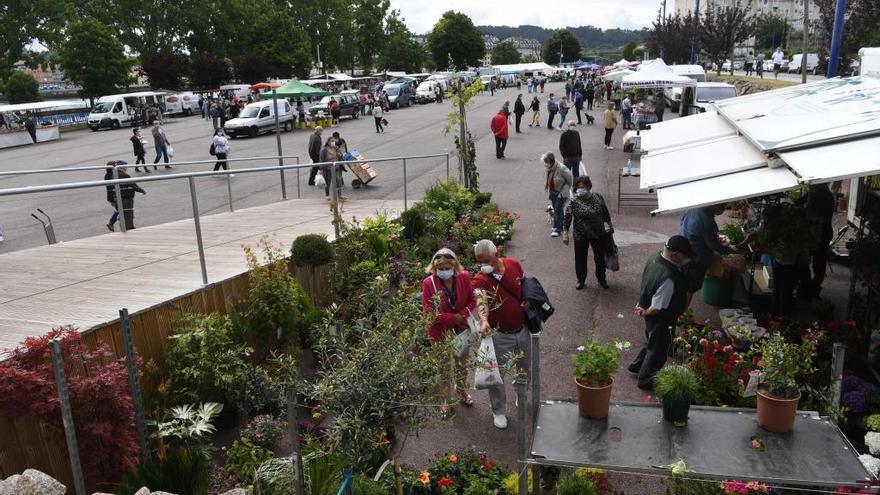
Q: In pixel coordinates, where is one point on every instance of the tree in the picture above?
(21, 87)
(505, 53)
(455, 38)
(209, 72)
(399, 51)
(93, 58)
(164, 70)
(629, 50)
(157, 26)
(21, 22)
(564, 41)
(252, 68)
(368, 30)
(721, 29)
(529, 59)
(862, 28)
(769, 32)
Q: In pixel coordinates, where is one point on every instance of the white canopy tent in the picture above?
(623, 63)
(656, 74)
(528, 67)
(617, 75)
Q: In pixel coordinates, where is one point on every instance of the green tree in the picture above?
(721, 28)
(369, 33)
(93, 58)
(505, 53)
(145, 27)
(564, 41)
(629, 50)
(399, 51)
(252, 69)
(21, 87)
(769, 32)
(21, 22)
(672, 39)
(455, 38)
(164, 70)
(209, 72)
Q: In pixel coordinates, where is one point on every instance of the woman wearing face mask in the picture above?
(447, 296)
(558, 183)
(330, 153)
(587, 214)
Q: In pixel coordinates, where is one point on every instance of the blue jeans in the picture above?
(574, 164)
(562, 116)
(559, 210)
(161, 151)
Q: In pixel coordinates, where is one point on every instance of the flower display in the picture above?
(425, 477)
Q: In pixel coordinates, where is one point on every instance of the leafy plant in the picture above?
(733, 232)
(675, 383)
(872, 422)
(264, 431)
(511, 482)
(788, 229)
(477, 487)
(311, 250)
(413, 221)
(596, 363)
(785, 364)
(181, 471)
(363, 485)
(575, 484)
(244, 458)
(188, 425)
(449, 196)
(275, 477)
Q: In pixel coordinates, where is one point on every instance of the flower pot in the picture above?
(676, 411)
(775, 414)
(593, 401)
(717, 291)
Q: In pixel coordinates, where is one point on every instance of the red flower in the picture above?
(444, 482)
(728, 348)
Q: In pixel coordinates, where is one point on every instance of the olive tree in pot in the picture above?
(594, 366)
(310, 256)
(676, 387)
(783, 366)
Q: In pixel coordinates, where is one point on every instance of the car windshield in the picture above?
(103, 107)
(249, 112)
(392, 91)
(715, 94)
(326, 100)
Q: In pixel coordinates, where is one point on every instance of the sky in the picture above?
(421, 15)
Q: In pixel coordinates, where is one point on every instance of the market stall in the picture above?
(48, 118)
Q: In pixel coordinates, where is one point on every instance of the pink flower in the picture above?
(728, 348)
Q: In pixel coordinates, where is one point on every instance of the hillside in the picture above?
(591, 37)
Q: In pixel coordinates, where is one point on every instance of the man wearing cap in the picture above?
(662, 301)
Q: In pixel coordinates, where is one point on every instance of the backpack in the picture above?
(552, 106)
(212, 150)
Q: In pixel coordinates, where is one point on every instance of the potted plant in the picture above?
(676, 387)
(782, 364)
(594, 366)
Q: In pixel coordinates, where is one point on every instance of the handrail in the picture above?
(101, 167)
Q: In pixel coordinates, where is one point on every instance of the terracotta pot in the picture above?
(593, 401)
(775, 414)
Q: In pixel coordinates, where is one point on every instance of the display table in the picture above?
(642, 120)
(716, 443)
(22, 137)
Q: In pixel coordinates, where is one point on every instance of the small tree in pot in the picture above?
(676, 387)
(782, 364)
(594, 366)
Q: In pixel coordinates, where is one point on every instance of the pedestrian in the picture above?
(329, 157)
(590, 93)
(220, 143)
(138, 143)
(448, 301)
(750, 62)
(586, 216)
(552, 108)
(30, 125)
(161, 142)
(501, 278)
(661, 301)
(518, 110)
(378, 117)
(315, 153)
(519, 84)
(500, 130)
(563, 112)
(778, 57)
(698, 226)
(820, 201)
(608, 88)
(126, 191)
(570, 149)
(535, 106)
(568, 88)
(362, 103)
(543, 81)
(609, 119)
(579, 105)
(437, 94)
(659, 105)
(111, 194)
(492, 87)
(558, 184)
(529, 84)
(335, 110)
(300, 112)
(341, 145)
(626, 111)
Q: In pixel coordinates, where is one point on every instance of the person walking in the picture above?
(750, 62)
(126, 191)
(214, 112)
(378, 117)
(543, 81)
(111, 194)
(137, 143)
(558, 183)
(563, 112)
(552, 108)
(30, 125)
(661, 301)
(568, 88)
(220, 143)
(315, 153)
(501, 278)
(335, 110)
(609, 119)
(590, 93)
(608, 90)
(626, 111)
(300, 112)
(329, 155)
(586, 216)
(518, 110)
(535, 106)
(578, 105)
(161, 142)
(778, 57)
(448, 301)
(820, 201)
(659, 105)
(500, 130)
(529, 84)
(570, 150)
(759, 65)
(698, 226)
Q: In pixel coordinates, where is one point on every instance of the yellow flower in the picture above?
(453, 458)
(425, 478)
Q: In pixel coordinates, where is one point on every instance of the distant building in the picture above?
(791, 10)
(525, 46)
(43, 75)
(489, 41)
(420, 38)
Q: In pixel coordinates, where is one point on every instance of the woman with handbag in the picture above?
(587, 215)
(447, 296)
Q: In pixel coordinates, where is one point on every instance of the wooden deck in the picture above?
(85, 282)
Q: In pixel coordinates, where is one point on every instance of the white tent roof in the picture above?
(623, 63)
(617, 75)
(43, 106)
(523, 67)
(656, 75)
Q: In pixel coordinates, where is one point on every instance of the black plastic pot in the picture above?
(676, 411)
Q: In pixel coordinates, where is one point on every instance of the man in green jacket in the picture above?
(663, 299)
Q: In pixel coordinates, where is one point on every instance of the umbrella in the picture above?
(262, 85)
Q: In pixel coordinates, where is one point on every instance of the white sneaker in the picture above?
(554, 233)
(610, 147)
(500, 421)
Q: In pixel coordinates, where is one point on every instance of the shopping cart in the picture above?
(362, 170)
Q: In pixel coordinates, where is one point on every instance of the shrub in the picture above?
(482, 198)
(264, 431)
(311, 250)
(575, 484)
(275, 477)
(449, 196)
(244, 458)
(440, 222)
(259, 393)
(785, 365)
(100, 400)
(596, 363)
(181, 471)
(363, 272)
(366, 486)
(674, 383)
(413, 221)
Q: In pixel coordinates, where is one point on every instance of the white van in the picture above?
(441, 79)
(259, 117)
(812, 62)
(242, 91)
(425, 92)
(126, 109)
(695, 72)
(704, 95)
(185, 103)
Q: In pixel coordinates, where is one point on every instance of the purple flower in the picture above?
(717, 334)
(854, 401)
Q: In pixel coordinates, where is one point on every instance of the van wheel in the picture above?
(94, 129)
(115, 124)
(254, 132)
(355, 114)
(287, 127)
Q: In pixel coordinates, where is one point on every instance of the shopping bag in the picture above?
(582, 169)
(612, 259)
(320, 181)
(487, 374)
(465, 339)
(170, 151)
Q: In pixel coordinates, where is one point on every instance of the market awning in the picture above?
(655, 74)
(297, 89)
(824, 164)
(730, 155)
(725, 188)
(676, 132)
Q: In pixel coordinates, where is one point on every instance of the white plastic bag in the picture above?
(487, 373)
(582, 170)
(170, 151)
(320, 181)
(465, 339)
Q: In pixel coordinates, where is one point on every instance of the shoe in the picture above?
(110, 227)
(554, 233)
(167, 166)
(147, 171)
(603, 284)
(579, 286)
(466, 399)
(634, 369)
(136, 169)
(500, 421)
(502, 157)
(611, 147)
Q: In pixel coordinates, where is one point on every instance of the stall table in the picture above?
(22, 137)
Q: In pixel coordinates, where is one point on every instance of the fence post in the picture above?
(118, 192)
(278, 142)
(535, 377)
(298, 194)
(334, 199)
(837, 355)
(136, 398)
(446, 150)
(198, 225)
(404, 185)
(520, 386)
(67, 417)
(229, 191)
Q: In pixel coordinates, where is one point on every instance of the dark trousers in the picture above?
(33, 132)
(787, 279)
(581, 252)
(115, 215)
(590, 102)
(652, 356)
(578, 112)
(313, 171)
(819, 263)
(551, 116)
(140, 159)
(608, 133)
(500, 146)
(574, 164)
(379, 127)
(659, 113)
(221, 162)
(518, 117)
(128, 213)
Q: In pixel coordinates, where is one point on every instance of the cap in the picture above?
(680, 244)
(121, 162)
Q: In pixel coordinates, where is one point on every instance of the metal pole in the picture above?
(67, 418)
(520, 386)
(118, 192)
(836, 38)
(447, 163)
(278, 142)
(298, 195)
(462, 138)
(806, 37)
(837, 355)
(293, 424)
(404, 185)
(229, 191)
(535, 376)
(198, 225)
(334, 199)
(136, 398)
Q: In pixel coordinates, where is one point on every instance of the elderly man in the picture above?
(500, 278)
(315, 152)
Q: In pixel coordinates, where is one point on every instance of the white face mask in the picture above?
(548, 165)
(487, 269)
(445, 274)
(581, 191)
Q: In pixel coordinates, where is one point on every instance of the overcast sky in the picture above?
(421, 14)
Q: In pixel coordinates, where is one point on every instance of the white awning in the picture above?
(837, 161)
(699, 160)
(678, 132)
(725, 188)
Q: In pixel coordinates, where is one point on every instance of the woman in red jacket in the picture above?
(448, 296)
(499, 129)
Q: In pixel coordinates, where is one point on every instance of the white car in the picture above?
(695, 72)
(259, 117)
(812, 63)
(709, 92)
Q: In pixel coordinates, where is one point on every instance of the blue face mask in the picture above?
(445, 274)
(581, 191)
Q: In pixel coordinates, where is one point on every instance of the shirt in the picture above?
(699, 226)
(663, 295)
(777, 57)
(508, 315)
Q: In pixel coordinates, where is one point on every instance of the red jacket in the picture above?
(444, 319)
(499, 125)
(508, 316)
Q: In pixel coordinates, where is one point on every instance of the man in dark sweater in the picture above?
(570, 149)
(315, 152)
(662, 300)
(126, 191)
(518, 110)
(820, 201)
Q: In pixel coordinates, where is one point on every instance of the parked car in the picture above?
(399, 95)
(737, 65)
(695, 72)
(259, 117)
(348, 105)
(794, 65)
(425, 92)
(768, 66)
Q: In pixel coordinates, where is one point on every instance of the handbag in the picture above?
(212, 150)
(612, 258)
(384, 121)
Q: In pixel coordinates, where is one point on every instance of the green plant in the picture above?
(482, 198)
(511, 482)
(363, 272)
(244, 458)
(181, 471)
(872, 422)
(449, 196)
(733, 232)
(785, 365)
(264, 431)
(575, 484)
(414, 223)
(477, 487)
(275, 477)
(675, 383)
(788, 229)
(363, 485)
(311, 250)
(596, 363)
(186, 426)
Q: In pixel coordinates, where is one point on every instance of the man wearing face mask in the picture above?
(663, 299)
(501, 278)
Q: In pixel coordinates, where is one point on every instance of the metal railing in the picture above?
(117, 184)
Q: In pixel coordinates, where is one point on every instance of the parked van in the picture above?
(812, 63)
(127, 109)
(673, 95)
(242, 91)
(425, 92)
(259, 117)
(441, 79)
(700, 99)
(399, 95)
(182, 103)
